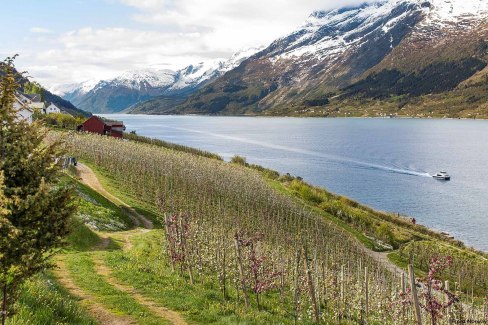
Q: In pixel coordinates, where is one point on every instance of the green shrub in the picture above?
(238, 160)
(65, 121)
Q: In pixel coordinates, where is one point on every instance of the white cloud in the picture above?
(231, 24)
(170, 34)
(40, 30)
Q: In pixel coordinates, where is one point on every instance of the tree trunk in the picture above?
(4, 304)
(241, 272)
(311, 286)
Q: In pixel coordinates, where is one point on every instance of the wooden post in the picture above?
(366, 295)
(311, 286)
(241, 272)
(166, 218)
(415, 297)
(297, 279)
(485, 313)
(404, 291)
(186, 254)
(342, 283)
(224, 273)
(317, 284)
(404, 286)
(449, 321)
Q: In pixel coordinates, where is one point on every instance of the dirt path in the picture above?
(96, 310)
(125, 236)
(104, 316)
(382, 257)
(154, 307)
(89, 178)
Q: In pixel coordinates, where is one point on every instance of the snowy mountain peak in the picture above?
(81, 88)
(329, 34)
(453, 9)
(145, 77)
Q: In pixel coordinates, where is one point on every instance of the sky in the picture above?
(70, 41)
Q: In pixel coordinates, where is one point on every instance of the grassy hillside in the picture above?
(289, 237)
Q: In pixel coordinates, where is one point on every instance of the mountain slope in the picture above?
(49, 97)
(133, 87)
(399, 47)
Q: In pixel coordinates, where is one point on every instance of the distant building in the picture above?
(35, 102)
(21, 106)
(96, 124)
(52, 108)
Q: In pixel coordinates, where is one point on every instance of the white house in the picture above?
(35, 103)
(52, 109)
(22, 108)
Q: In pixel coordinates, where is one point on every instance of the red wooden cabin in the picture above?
(96, 124)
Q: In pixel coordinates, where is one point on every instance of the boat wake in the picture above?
(340, 159)
(396, 170)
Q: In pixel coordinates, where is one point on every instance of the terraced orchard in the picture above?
(233, 249)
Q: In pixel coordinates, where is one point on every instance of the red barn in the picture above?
(96, 124)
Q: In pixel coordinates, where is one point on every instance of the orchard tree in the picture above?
(35, 208)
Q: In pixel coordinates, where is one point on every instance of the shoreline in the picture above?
(304, 117)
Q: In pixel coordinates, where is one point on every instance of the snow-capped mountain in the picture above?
(73, 91)
(132, 87)
(433, 45)
(198, 74)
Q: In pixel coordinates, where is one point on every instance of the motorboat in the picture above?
(442, 176)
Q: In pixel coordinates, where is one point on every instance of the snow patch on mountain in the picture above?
(80, 88)
(137, 79)
(328, 34)
(196, 74)
(455, 10)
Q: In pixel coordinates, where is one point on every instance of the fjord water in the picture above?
(383, 163)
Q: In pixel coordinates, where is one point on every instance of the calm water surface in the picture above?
(384, 163)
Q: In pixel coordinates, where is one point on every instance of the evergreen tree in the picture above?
(34, 88)
(35, 207)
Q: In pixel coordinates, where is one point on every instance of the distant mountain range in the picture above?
(389, 57)
(133, 87)
(405, 57)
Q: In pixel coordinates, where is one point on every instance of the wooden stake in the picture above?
(311, 286)
(415, 297)
(404, 286)
(449, 321)
(241, 272)
(366, 295)
(297, 282)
